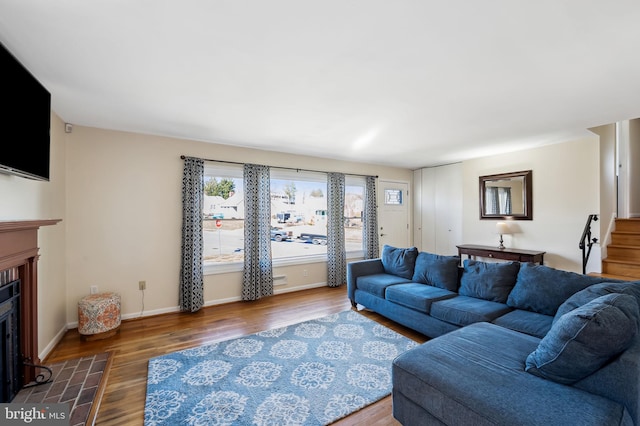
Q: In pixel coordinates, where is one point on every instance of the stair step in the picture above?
(628, 225)
(613, 277)
(625, 238)
(624, 268)
(623, 253)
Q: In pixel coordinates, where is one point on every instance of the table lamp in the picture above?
(502, 228)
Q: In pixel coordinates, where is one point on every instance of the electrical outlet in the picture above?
(93, 289)
(142, 285)
(305, 273)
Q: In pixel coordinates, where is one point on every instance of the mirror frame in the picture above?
(527, 195)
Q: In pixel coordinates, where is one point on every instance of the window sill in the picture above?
(229, 267)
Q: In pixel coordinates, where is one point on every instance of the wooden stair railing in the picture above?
(623, 254)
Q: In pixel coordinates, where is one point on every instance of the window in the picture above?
(223, 214)
(298, 216)
(353, 212)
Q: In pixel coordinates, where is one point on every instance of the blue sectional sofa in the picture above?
(511, 343)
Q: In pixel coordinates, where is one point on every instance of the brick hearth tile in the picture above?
(86, 395)
(92, 380)
(71, 393)
(58, 388)
(84, 365)
(102, 357)
(79, 414)
(21, 397)
(36, 398)
(72, 362)
(98, 366)
(65, 374)
(41, 388)
(78, 378)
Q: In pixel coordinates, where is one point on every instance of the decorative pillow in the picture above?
(542, 289)
(436, 270)
(399, 261)
(585, 339)
(488, 281)
(596, 290)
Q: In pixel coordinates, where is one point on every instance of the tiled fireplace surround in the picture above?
(18, 260)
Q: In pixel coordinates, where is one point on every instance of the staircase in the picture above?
(623, 254)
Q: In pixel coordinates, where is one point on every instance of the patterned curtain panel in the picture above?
(370, 218)
(257, 277)
(191, 281)
(336, 251)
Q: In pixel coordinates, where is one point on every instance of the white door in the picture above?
(438, 218)
(448, 209)
(393, 213)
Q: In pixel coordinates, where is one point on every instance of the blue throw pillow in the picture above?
(399, 261)
(488, 281)
(596, 290)
(437, 270)
(584, 339)
(542, 289)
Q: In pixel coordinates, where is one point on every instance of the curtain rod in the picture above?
(281, 167)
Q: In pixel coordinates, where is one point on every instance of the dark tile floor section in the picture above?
(75, 382)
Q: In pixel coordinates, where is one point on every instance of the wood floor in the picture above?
(142, 339)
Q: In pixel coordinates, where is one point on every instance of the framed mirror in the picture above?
(506, 196)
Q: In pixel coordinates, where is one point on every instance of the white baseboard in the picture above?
(303, 287)
(52, 344)
(174, 309)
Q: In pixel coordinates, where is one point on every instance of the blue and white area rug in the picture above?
(312, 373)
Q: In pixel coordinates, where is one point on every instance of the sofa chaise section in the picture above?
(476, 376)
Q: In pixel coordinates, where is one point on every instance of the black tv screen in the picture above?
(25, 119)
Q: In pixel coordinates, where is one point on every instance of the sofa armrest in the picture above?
(619, 380)
(360, 268)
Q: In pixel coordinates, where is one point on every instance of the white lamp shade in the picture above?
(502, 228)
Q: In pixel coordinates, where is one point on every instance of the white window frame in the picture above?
(233, 170)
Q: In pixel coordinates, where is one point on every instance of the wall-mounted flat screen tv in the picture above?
(25, 119)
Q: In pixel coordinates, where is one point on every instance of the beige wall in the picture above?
(608, 167)
(634, 167)
(24, 199)
(124, 216)
(119, 197)
(565, 192)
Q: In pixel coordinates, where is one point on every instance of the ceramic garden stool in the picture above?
(99, 316)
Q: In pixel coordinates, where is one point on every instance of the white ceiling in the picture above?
(407, 83)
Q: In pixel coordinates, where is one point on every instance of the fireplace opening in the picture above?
(10, 356)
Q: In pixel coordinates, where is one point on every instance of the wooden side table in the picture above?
(513, 254)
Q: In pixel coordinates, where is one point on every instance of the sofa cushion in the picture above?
(488, 281)
(464, 310)
(399, 261)
(417, 296)
(377, 283)
(475, 376)
(594, 291)
(542, 289)
(527, 322)
(437, 270)
(584, 339)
